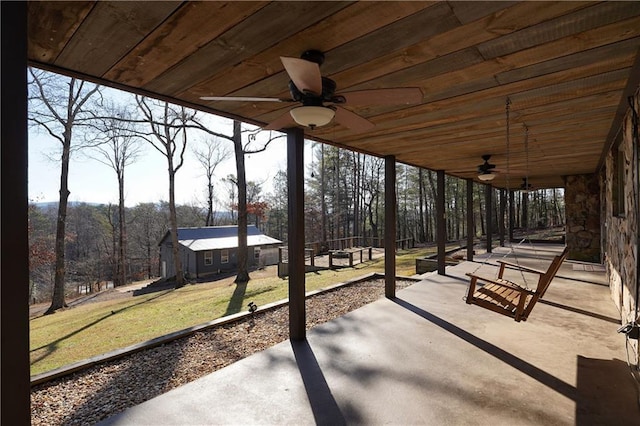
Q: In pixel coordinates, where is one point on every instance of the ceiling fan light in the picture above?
(312, 116)
(486, 176)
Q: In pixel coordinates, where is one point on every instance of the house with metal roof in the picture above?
(214, 249)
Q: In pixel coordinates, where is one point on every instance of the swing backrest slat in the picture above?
(547, 277)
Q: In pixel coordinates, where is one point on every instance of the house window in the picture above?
(256, 253)
(224, 256)
(618, 189)
(208, 258)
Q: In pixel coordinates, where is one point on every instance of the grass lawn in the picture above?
(92, 329)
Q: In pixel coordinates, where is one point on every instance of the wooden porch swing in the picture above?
(507, 297)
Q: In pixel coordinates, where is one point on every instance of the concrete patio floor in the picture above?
(428, 358)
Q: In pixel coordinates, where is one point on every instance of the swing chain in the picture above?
(526, 153)
(507, 105)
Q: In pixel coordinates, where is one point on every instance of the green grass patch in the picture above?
(95, 328)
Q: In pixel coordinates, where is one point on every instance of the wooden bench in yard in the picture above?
(509, 298)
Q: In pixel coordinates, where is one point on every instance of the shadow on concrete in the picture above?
(580, 311)
(525, 367)
(323, 405)
(598, 379)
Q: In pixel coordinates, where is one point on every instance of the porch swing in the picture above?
(515, 300)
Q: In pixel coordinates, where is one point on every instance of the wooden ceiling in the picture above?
(567, 68)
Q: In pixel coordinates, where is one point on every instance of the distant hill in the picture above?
(53, 204)
(221, 216)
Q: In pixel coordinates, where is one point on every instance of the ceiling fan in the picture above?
(317, 98)
(486, 170)
(525, 186)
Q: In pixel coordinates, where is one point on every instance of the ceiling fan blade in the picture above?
(397, 96)
(284, 121)
(304, 74)
(495, 171)
(243, 99)
(352, 120)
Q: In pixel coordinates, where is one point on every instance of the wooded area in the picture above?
(347, 201)
(82, 247)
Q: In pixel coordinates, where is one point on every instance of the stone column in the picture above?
(582, 208)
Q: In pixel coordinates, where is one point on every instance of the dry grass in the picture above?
(91, 395)
(92, 329)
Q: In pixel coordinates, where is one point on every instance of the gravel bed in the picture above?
(89, 396)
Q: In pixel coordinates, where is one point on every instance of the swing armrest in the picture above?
(504, 263)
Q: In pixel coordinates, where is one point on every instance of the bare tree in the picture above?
(209, 157)
(232, 188)
(243, 270)
(41, 253)
(119, 149)
(252, 146)
(147, 227)
(57, 105)
(168, 135)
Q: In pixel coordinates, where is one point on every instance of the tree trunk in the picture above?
(243, 271)
(323, 200)
(337, 210)
(374, 225)
(149, 273)
(209, 221)
(122, 238)
(558, 220)
(480, 211)
(356, 196)
(173, 221)
(114, 246)
(423, 234)
(432, 185)
(57, 301)
(524, 222)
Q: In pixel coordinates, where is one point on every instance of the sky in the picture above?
(146, 180)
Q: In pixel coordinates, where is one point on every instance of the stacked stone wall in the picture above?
(582, 207)
(620, 232)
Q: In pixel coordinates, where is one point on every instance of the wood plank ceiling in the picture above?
(567, 68)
